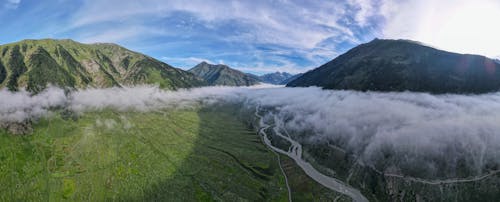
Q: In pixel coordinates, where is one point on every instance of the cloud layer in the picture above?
(410, 133)
(419, 134)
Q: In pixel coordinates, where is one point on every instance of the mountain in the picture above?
(222, 75)
(253, 76)
(399, 65)
(276, 78)
(33, 64)
(497, 61)
(286, 81)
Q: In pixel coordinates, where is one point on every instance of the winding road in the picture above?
(446, 181)
(295, 152)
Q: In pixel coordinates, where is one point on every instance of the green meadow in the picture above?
(195, 154)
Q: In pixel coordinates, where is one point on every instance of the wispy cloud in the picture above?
(312, 31)
(287, 23)
(119, 34)
(365, 9)
(12, 4)
(454, 25)
(292, 34)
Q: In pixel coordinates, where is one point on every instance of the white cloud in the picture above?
(455, 25)
(18, 106)
(12, 4)
(311, 29)
(365, 10)
(111, 36)
(268, 62)
(276, 22)
(431, 134)
(421, 134)
(120, 34)
(281, 65)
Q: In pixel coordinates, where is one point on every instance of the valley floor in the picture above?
(195, 154)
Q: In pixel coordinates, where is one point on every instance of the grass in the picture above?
(198, 154)
(188, 155)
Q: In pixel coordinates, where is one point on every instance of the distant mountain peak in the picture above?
(221, 74)
(277, 78)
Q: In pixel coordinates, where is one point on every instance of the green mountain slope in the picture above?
(253, 76)
(33, 64)
(399, 65)
(222, 75)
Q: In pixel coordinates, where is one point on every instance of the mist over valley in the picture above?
(214, 100)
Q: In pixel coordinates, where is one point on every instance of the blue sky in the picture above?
(253, 36)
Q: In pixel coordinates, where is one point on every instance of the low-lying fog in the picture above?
(429, 132)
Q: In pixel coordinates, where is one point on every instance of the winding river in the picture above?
(295, 152)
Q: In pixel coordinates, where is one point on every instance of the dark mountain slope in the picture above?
(33, 64)
(399, 65)
(222, 75)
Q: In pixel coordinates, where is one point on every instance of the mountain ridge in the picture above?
(276, 78)
(403, 65)
(222, 75)
(34, 64)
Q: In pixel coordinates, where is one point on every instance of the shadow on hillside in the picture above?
(228, 162)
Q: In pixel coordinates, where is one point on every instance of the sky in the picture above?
(255, 36)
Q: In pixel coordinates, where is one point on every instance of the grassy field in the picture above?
(200, 154)
(170, 154)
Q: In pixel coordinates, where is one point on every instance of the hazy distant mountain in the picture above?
(33, 64)
(222, 75)
(497, 61)
(286, 81)
(399, 65)
(276, 78)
